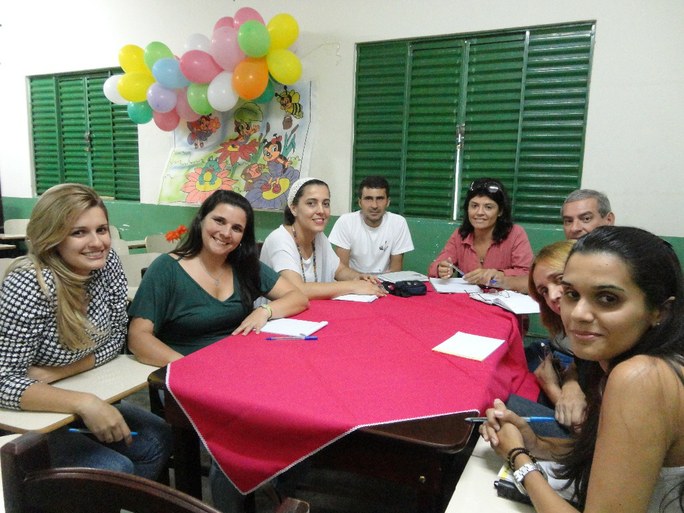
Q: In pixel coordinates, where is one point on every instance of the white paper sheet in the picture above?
(469, 346)
(402, 276)
(453, 285)
(293, 327)
(359, 298)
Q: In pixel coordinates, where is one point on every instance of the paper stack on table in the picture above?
(453, 285)
(402, 276)
(293, 327)
(469, 346)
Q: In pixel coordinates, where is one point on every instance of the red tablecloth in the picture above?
(260, 406)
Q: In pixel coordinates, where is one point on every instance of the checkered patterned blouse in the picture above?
(28, 327)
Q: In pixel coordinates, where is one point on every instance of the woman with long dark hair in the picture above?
(487, 247)
(205, 289)
(623, 307)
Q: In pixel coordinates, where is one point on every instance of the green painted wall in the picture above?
(136, 220)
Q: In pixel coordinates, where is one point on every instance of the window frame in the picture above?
(518, 98)
(78, 135)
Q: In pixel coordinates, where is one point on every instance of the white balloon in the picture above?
(220, 92)
(111, 91)
(198, 42)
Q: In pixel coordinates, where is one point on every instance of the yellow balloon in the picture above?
(284, 66)
(132, 59)
(133, 86)
(283, 29)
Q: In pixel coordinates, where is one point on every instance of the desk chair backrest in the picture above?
(4, 264)
(114, 232)
(120, 246)
(134, 263)
(157, 243)
(15, 226)
(31, 486)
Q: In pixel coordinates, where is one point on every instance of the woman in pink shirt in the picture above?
(487, 248)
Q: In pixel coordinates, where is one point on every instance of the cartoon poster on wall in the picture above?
(255, 149)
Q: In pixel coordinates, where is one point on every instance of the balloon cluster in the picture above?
(243, 59)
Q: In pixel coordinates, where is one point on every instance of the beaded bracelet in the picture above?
(514, 453)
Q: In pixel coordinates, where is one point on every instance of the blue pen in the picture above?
(302, 337)
(88, 432)
(528, 419)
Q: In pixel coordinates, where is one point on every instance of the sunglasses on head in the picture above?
(485, 185)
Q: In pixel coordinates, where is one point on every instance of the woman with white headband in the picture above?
(300, 251)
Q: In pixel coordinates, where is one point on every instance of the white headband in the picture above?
(294, 188)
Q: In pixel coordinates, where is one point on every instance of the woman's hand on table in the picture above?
(104, 421)
(253, 322)
(485, 277)
(368, 284)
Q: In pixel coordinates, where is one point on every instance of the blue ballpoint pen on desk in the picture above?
(295, 337)
(88, 432)
(527, 419)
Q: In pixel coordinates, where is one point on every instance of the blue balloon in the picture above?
(168, 74)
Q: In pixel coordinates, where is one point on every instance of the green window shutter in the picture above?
(47, 149)
(554, 120)
(431, 122)
(492, 112)
(519, 98)
(379, 118)
(74, 127)
(79, 136)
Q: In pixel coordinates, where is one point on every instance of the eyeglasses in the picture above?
(487, 185)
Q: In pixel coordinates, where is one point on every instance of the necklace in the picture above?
(217, 279)
(301, 258)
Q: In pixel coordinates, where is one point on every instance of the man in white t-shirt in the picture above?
(372, 240)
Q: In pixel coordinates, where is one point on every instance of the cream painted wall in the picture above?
(634, 149)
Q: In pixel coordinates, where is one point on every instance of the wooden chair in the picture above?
(157, 243)
(31, 486)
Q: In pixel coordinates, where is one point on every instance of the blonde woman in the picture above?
(62, 312)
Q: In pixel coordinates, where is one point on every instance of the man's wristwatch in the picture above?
(519, 475)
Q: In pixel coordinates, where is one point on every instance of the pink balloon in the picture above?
(226, 21)
(199, 67)
(167, 121)
(183, 108)
(225, 48)
(245, 14)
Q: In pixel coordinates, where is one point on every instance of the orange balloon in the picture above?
(250, 78)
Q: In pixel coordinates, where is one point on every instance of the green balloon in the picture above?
(197, 99)
(155, 51)
(268, 94)
(139, 112)
(253, 38)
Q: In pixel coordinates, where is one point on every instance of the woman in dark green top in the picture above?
(205, 289)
